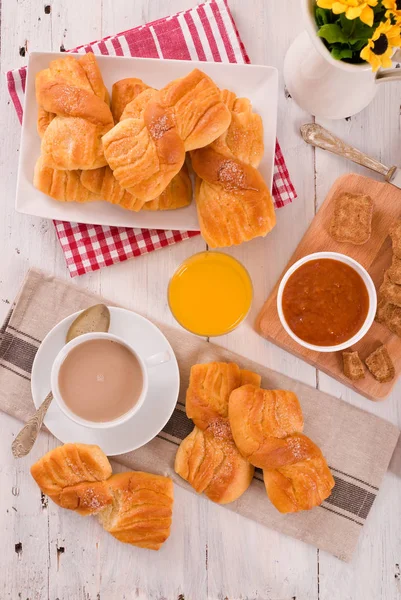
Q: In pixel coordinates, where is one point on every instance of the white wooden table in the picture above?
(47, 553)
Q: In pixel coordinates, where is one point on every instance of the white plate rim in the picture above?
(116, 216)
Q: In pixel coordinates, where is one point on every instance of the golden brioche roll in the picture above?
(64, 186)
(250, 377)
(123, 92)
(102, 183)
(210, 386)
(147, 148)
(300, 486)
(267, 429)
(141, 510)
(211, 463)
(244, 137)
(73, 90)
(257, 416)
(85, 498)
(69, 465)
(233, 201)
(44, 120)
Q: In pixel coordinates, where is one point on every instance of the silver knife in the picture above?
(318, 136)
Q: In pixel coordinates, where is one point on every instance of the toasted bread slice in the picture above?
(353, 366)
(352, 219)
(380, 365)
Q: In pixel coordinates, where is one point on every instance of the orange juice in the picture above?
(210, 293)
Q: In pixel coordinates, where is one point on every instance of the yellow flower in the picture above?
(380, 47)
(393, 6)
(353, 9)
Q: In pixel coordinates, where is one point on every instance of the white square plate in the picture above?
(258, 83)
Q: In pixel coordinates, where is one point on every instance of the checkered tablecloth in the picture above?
(207, 33)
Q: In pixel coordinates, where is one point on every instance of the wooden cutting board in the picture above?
(375, 256)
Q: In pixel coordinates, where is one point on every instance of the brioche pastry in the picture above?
(267, 429)
(147, 148)
(233, 201)
(64, 186)
(73, 90)
(135, 507)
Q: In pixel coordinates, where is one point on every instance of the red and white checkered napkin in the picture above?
(206, 32)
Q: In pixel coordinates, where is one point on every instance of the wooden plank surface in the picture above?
(213, 554)
(375, 256)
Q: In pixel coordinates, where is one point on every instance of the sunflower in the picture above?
(380, 47)
(353, 9)
(393, 6)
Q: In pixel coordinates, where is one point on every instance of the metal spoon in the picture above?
(94, 318)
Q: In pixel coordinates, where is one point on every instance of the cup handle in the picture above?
(157, 359)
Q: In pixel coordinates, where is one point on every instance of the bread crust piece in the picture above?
(394, 272)
(390, 315)
(389, 291)
(123, 92)
(141, 510)
(353, 366)
(352, 218)
(72, 90)
(395, 234)
(380, 365)
(267, 429)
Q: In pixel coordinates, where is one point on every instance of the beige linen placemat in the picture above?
(357, 445)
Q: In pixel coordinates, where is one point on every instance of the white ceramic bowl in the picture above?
(369, 286)
(62, 355)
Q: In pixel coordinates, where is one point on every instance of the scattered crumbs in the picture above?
(18, 549)
(48, 9)
(397, 574)
(18, 251)
(5, 301)
(43, 500)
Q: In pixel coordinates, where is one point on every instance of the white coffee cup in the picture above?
(145, 364)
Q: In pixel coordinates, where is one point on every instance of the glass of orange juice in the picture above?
(210, 293)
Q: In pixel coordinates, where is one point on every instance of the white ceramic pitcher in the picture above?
(323, 86)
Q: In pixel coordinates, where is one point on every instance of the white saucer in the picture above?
(164, 383)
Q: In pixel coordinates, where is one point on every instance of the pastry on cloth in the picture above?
(208, 458)
(64, 186)
(73, 90)
(147, 149)
(212, 464)
(210, 386)
(380, 365)
(353, 366)
(352, 218)
(102, 182)
(395, 234)
(267, 429)
(70, 465)
(233, 201)
(135, 507)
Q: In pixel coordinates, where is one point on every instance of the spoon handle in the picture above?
(26, 438)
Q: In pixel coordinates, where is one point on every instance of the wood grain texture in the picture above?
(375, 256)
(212, 554)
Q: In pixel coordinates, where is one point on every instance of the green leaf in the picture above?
(358, 45)
(341, 53)
(332, 33)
